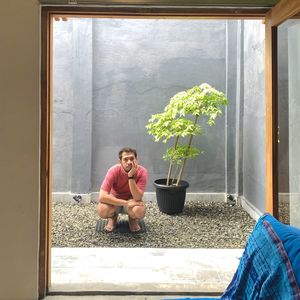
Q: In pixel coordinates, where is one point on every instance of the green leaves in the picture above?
(180, 153)
(202, 101)
(198, 102)
(163, 127)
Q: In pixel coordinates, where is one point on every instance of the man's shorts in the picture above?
(122, 210)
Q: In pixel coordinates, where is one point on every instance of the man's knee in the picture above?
(138, 212)
(105, 210)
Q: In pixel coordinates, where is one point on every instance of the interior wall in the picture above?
(19, 151)
(254, 131)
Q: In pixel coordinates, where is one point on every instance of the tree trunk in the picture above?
(184, 161)
(171, 163)
(174, 178)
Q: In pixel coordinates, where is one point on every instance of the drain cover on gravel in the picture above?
(122, 226)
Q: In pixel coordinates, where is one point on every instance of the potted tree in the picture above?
(180, 121)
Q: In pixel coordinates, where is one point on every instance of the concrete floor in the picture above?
(142, 270)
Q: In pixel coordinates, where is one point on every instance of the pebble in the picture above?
(200, 225)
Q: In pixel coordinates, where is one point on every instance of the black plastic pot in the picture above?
(170, 199)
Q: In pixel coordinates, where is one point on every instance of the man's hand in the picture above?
(133, 168)
(132, 203)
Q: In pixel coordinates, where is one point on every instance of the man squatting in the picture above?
(122, 191)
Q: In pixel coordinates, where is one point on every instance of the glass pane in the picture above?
(289, 122)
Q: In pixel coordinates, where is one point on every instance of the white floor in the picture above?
(141, 270)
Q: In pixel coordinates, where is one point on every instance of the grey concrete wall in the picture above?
(254, 133)
(283, 110)
(234, 113)
(72, 106)
(135, 67)
(62, 107)
(288, 123)
(103, 101)
(294, 121)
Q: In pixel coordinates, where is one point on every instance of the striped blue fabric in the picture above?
(265, 271)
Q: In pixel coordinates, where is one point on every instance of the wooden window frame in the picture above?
(283, 10)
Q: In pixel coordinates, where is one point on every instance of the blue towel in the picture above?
(265, 271)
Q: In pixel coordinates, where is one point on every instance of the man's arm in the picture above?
(136, 193)
(105, 197)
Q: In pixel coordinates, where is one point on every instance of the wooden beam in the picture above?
(283, 10)
(271, 117)
(232, 3)
(45, 162)
(111, 11)
(278, 14)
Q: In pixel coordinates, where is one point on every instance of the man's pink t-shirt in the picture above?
(116, 181)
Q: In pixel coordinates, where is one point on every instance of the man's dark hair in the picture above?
(127, 149)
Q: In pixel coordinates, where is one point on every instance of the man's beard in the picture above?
(127, 169)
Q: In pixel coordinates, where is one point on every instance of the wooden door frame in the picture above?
(124, 11)
(45, 157)
(277, 15)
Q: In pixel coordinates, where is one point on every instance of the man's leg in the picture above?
(136, 213)
(108, 211)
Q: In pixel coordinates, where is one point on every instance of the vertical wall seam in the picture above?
(238, 99)
(226, 110)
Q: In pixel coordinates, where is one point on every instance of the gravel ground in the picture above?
(201, 225)
(284, 212)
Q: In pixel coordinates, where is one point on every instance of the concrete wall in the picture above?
(288, 103)
(294, 122)
(72, 106)
(254, 133)
(134, 69)
(283, 111)
(234, 111)
(19, 151)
